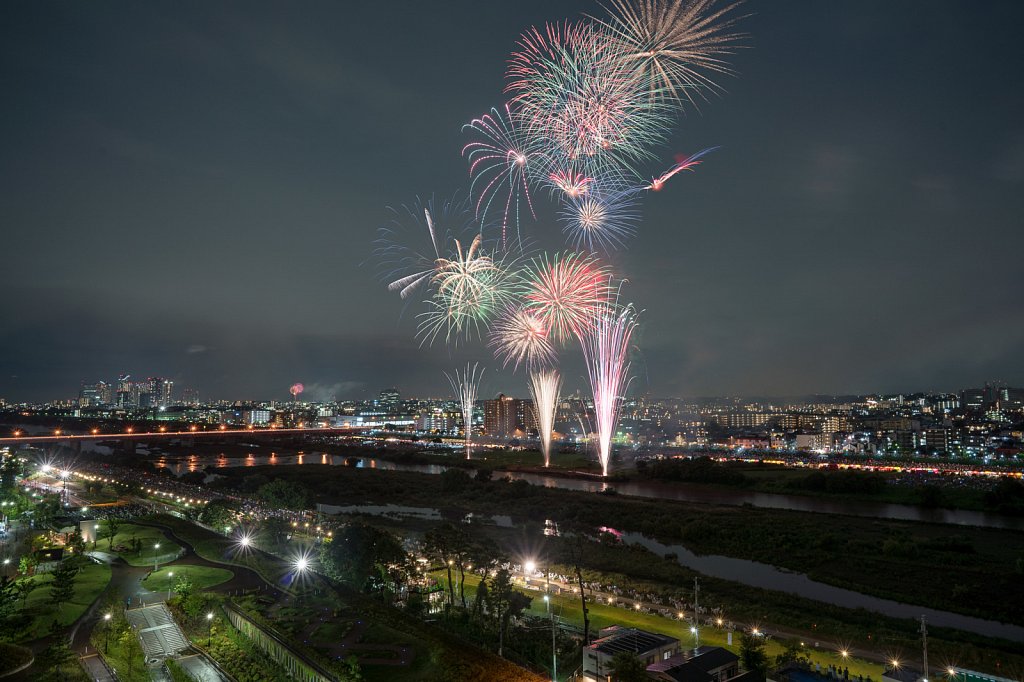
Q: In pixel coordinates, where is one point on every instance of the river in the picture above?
(676, 491)
(745, 572)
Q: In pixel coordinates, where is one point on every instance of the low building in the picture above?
(649, 647)
(705, 664)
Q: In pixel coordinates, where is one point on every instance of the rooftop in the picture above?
(632, 640)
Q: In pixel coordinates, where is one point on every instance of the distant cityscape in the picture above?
(986, 422)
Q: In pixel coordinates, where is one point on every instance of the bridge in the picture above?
(58, 436)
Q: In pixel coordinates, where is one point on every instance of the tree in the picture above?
(62, 588)
(626, 667)
(576, 551)
(276, 529)
(752, 653)
(131, 649)
(113, 525)
(216, 514)
(359, 552)
(439, 542)
(454, 480)
(58, 653)
(283, 494)
(76, 543)
(505, 603)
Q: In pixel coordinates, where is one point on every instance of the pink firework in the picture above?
(499, 163)
(565, 292)
(296, 389)
(521, 336)
(606, 352)
(682, 163)
(572, 183)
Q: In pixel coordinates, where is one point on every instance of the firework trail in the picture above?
(465, 385)
(544, 388)
(410, 245)
(499, 165)
(674, 44)
(600, 221)
(682, 163)
(606, 353)
(565, 292)
(469, 288)
(521, 336)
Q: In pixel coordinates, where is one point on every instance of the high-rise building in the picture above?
(505, 415)
(973, 399)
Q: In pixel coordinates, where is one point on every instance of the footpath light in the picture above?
(209, 635)
(106, 632)
(155, 548)
(170, 575)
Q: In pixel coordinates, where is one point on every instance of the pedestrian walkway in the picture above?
(97, 669)
(201, 669)
(160, 635)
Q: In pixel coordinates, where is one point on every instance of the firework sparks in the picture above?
(409, 247)
(572, 183)
(544, 389)
(499, 162)
(682, 163)
(465, 385)
(521, 336)
(469, 288)
(582, 101)
(606, 353)
(565, 291)
(674, 43)
(600, 221)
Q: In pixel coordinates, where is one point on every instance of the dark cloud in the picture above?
(208, 177)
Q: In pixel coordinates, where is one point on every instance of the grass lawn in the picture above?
(89, 583)
(217, 548)
(148, 538)
(202, 577)
(567, 608)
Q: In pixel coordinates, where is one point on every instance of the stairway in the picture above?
(160, 635)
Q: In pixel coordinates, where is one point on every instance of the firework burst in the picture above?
(544, 388)
(520, 336)
(469, 287)
(410, 245)
(581, 101)
(600, 221)
(466, 384)
(674, 44)
(564, 292)
(606, 353)
(499, 164)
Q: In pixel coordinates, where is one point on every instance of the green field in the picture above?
(567, 608)
(89, 583)
(202, 577)
(148, 539)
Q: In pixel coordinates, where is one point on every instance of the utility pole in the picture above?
(551, 615)
(924, 644)
(696, 615)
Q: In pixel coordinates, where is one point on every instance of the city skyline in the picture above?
(205, 210)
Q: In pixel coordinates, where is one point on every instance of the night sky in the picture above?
(192, 189)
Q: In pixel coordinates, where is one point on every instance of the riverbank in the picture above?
(889, 559)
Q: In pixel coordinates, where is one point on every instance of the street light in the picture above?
(209, 636)
(170, 574)
(155, 548)
(106, 632)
